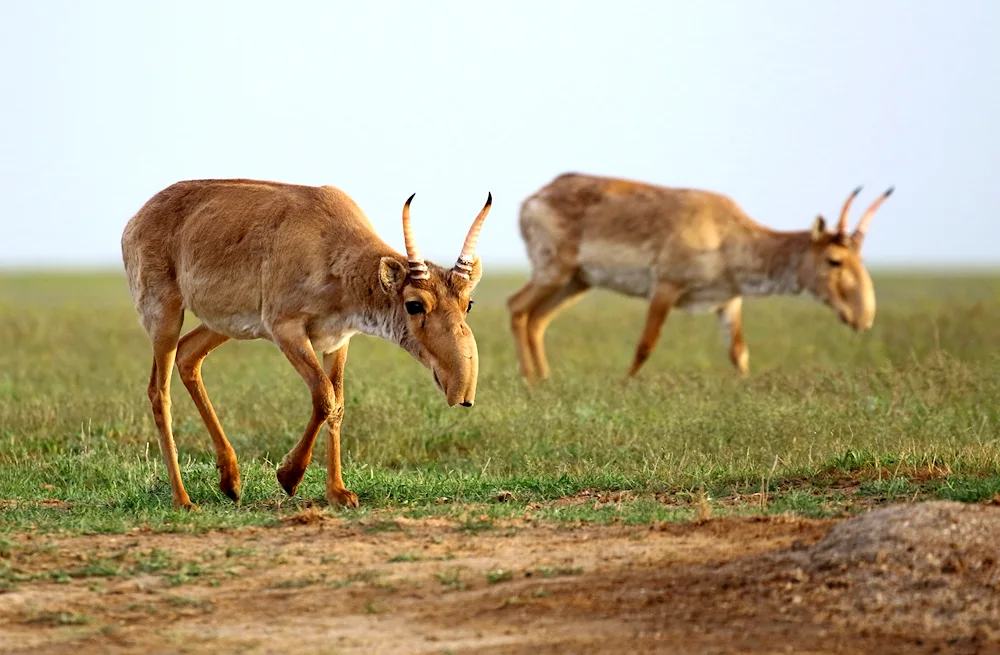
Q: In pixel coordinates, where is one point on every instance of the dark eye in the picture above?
(469, 308)
(414, 307)
(834, 262)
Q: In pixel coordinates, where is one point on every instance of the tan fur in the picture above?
(301, 267)
(687, 248)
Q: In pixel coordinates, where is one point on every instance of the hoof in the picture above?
(342, 498)
(289, 479)
(229, 478)
(185, 504)
(231, 488)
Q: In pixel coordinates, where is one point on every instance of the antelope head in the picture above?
(436, 301)
(833, 272)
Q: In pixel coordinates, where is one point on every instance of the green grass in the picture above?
(907, 410)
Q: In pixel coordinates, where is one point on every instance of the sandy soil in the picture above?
(903, 579)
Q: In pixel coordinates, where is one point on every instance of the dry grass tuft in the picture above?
(307, 516)
(704, 508)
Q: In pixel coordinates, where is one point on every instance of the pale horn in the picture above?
(463, 266)
(842, 224)
(418, 269)
(866, 219)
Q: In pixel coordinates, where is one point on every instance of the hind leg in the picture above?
(731, 321)
(163, 320)
(542, 314)
(193, 348)
(520, 305)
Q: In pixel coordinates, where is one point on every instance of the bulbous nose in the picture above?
(467, 403)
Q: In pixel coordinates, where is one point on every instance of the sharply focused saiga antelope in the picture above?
(303, 268)
(685, 248)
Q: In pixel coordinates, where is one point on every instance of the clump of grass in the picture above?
(500, 575)
(58, 618)
(181, 602)
(555, 571)
(240, 551)
(475, 525)
(366, 576)
(703, 508)
(382, 526)
(405, 557)
(97, 568)
(451, 578)
(297, 583)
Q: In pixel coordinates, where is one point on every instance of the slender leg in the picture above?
(664, 297)
(336, 492)
(542, 314)
(731, 321)
(164, 328)
(191, 351)
(520, 305)
(294, 343)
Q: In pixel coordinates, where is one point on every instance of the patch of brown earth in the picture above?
(920, 578)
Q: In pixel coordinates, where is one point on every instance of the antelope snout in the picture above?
(864, 324)
(462, 392)
(458, 389)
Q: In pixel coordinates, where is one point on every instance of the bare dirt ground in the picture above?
(903, 579)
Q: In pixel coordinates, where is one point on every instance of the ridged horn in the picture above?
(463, 266)
(418, 269)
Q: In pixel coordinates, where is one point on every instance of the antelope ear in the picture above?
(391, 274)
(819, 228)
(477, 272)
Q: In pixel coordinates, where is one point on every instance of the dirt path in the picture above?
(329, 585)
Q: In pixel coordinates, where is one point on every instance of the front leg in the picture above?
(336, 492)
(731, 322)
(662, 300)
(294, 343)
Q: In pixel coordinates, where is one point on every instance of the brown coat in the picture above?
(299, 266)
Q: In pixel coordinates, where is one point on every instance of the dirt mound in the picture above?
(927, 568)
(939, 537)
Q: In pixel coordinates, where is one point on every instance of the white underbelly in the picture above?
(238, 326)
(622, 267)
(706, 299)
(627, 281)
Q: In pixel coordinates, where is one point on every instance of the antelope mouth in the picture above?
(857, 327)
(437, 380)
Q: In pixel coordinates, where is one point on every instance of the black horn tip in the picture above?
(889, 191)
(410, 199)
(857, 190)
(489, 198)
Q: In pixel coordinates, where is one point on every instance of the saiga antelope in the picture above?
(682, 248)
(303, 268)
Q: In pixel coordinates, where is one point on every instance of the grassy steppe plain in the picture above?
(828, 421)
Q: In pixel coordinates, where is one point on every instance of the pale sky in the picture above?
(783, 105)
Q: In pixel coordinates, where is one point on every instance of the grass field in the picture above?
(685, 511)
(828, 422)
